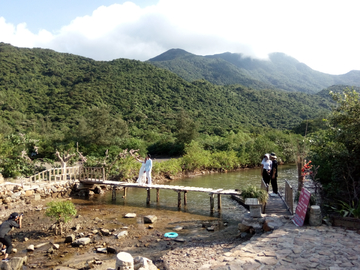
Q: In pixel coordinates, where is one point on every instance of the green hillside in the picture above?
(43, 91)
(280, 71)
(192, 67)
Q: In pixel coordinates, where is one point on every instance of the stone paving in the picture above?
(288, 247)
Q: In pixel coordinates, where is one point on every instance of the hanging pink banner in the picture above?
(301, 208)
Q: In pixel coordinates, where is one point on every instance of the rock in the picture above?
(178, 228)
(124, 261)
(210, 229)
(56, 246)
(98, 190)
(243, 227)
(122, 234)
(266, 227)
(243, 235)
(29, 193)
(181, 240)
(105, 232)
(15, 263)
(77, 227)
(50, 250)
(111, 250)
(14, 250)
(41, 245)
(81, 242)
(130, 215)
(150, 227)
(150, 219)
(94, 231)
(69, 238)
(30, 248)
(142, 263)
(37, 197)
(7, 200)
(26, 239)
(101, 250)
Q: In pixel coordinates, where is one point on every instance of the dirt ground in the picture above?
(145, 240)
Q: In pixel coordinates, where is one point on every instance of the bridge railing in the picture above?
(53, 175)
(289, 197)
(92, 173)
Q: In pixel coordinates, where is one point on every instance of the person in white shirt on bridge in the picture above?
(148, 167)
(266, 165)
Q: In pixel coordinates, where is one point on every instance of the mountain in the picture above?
(280, 71)
(192, 67)
(46, 92)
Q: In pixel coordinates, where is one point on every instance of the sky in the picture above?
(322, 34)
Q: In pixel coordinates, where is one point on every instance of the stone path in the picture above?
(288, 247)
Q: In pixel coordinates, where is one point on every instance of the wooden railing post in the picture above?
(212, 202)
(148, 196)
(179, 199)
(157, 195)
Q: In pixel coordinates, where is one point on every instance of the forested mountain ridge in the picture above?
(44, 91)
(280, 71)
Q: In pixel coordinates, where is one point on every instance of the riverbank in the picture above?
(102, 225)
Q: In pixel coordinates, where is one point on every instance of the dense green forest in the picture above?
(279, 71)
(42, 89)
(50, 101)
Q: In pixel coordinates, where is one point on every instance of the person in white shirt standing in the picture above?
(266, 165)
(148, 167)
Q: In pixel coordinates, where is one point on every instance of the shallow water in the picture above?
(198, 203)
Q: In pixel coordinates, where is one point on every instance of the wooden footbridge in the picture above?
(96, 176)
(179, 189)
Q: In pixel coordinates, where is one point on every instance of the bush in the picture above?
(196, 157)
(224, 160)
(168, 167)
(61, 211)
(252, 191)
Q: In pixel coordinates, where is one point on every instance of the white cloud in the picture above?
(321, 34)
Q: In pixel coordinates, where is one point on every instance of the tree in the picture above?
(62, 212)
(186, 128)
(337, 150)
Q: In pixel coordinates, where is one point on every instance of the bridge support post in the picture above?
(113, 193)
(212, 202)
(219, 201)
(185, 197)
(124, 192)
(179, 199)
(157, 195)
(148, 196)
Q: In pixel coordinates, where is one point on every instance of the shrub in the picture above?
(168, 167)
(252, 191)
(196, 157)
(61, 211)
(224, 160)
